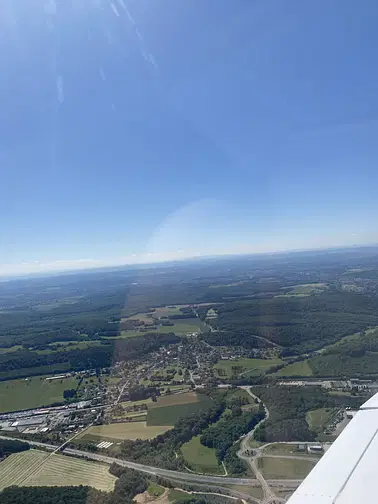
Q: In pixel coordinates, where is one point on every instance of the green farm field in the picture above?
(37, 468)
(33, 392)
(10, 349)
(180, 328)
(302, 290)
(179, 496)
(317, 419)
(155, 490)
(285, 468)
(177, 399)
(69, 346)
(169, 415)
(59, 368)
(300, 369)
(16, 468)
(199, 458)
(245, 367)
(121, 431)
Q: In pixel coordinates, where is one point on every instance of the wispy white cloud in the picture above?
(114, 9)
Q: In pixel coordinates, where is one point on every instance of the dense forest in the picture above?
(287, 411)
(8, 446)
(228, 430)
(305, 323)
(22, 363)
(251, 294)
(243, 338)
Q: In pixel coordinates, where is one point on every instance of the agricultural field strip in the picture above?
(60, 470)
(123, 430)
(16, 468)
(34, 468)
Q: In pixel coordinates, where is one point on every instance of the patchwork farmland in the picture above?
(37, 468)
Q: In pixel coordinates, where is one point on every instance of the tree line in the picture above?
(12, 446)
(287, 411)
(128, 485)
(301, 323)
(228, 430)
(21, 362)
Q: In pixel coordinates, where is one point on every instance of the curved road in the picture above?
(269, 497)
(268, 494)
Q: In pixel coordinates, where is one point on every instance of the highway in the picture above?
(177, 475)
(165, 473)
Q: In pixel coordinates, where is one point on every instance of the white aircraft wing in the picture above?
(348, 472)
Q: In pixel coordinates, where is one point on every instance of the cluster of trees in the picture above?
(141, 392)
(356, 356)
(287, 411)
(342, 365)
(186, 312)
(129, 484)
(22, 362)
(356, 346)
(88, 495)
(164, 450)
(304, 323)
(53, 495)
(160, 451)
(69, 393)
(223, 435)
(9, 446)
(242, 338)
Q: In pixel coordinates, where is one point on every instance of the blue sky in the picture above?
(140, 130)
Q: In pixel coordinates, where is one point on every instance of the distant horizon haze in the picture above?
(87, 265)
(134, 131)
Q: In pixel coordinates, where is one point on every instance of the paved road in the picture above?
(295, 457)
(46, 446)
(176, 475)
(165, 473)
(268, 494)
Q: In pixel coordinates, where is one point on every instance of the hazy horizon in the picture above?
(145, 130)
(32, 270)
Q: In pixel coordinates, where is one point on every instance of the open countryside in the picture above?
(169, 415)
(33, 392)
(245, 367)
(275, 468)
(16, 468)
(121, 431)
(199, 458)
(207, 402)
(37, 468)
(163, 319)
(177, 399)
